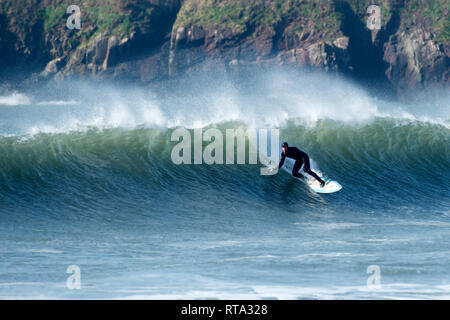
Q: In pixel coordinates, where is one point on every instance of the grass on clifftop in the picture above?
(238, 15)
(119, 18)
(433, 13)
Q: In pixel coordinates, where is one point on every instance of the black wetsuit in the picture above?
(300, 158)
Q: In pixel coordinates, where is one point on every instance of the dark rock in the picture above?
(164, 41)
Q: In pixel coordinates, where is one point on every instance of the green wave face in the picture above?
(386, 160)
(87, 179)
(97, 146)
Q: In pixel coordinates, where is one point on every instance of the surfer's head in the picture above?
(284, 146)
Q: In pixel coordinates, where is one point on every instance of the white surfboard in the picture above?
(329, 187)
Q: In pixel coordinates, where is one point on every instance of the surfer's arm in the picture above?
(283, 157)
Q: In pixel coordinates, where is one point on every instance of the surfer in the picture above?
(300, 157)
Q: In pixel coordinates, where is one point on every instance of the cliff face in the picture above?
(149, 40)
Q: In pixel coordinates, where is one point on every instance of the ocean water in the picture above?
(86, 180)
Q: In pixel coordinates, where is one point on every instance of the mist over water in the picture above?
(266, 99)
(86, 179)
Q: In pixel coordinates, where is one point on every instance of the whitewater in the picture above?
(86, 179)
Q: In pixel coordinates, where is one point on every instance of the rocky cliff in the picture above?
(148, 40)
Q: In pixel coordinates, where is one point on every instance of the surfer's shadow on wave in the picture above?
(312, 193)
(290, 192)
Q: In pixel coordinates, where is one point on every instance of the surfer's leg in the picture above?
(307, 169)
(296, 169)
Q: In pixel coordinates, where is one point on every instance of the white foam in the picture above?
(386, 291)
(44, 251)
(277, 98)
(58, 102)
(14, 99)
(114, 113)
(268, 256)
